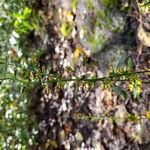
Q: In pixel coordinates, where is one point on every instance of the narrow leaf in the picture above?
(122, 62)
(120, 91)
(130, 64)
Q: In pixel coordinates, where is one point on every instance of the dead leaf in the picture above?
(78, 51)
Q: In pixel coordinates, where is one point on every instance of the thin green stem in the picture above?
(109, 78)
(128, 117)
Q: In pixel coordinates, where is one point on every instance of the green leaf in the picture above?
(132, 117)
(26, 25)
(122, 61)
(27, 11)
(16, 23)
(101, 14)
(18, 16)
(22, 30)
(74, 3)
(120, 92)
(130, 64)
(110, 3)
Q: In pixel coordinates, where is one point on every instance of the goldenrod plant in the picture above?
(20, 72)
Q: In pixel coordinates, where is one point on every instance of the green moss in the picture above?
(89, 4)
(110, 3)
(66, 29)
(74, 4)
(94, 42)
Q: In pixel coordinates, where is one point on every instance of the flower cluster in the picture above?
(135, 86)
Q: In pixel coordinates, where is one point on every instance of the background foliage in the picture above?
(17, 20)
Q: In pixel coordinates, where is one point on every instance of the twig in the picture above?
(100, 79)
(109, 78)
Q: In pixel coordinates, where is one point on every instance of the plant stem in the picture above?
(109, 78)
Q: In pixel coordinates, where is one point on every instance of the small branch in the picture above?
(109, 78)
(115, 77)
(128, 117)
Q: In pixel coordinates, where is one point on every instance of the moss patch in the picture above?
(66, 29)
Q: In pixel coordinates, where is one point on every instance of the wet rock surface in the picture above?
(77, 116)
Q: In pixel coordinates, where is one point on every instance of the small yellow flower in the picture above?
(139, 86)
(131, 86)
(135, 85)
(138, 82)
(139, 91)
